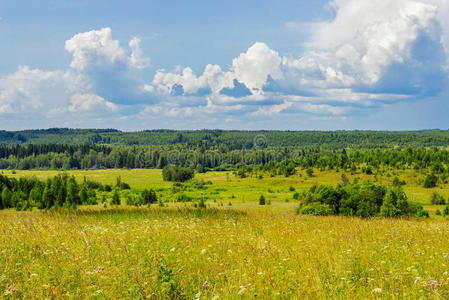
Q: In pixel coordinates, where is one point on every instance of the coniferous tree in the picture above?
(116, 198)
(72, 193)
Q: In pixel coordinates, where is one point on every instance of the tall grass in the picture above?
(172, 253)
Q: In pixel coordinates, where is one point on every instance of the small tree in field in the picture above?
(262, 200)
(115, 198)
(309, 172)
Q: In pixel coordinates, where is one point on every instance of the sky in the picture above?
(255, 64)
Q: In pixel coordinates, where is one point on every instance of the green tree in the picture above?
(309, 172)
(83, 194)
(430, 181)
(72, 199)
(262, 200)
(48, 198)
(116, 198)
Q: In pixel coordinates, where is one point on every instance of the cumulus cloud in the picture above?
(371, 53)
(104, 68)
(253, 67)
(364, 38)
(95, 47)
(32, 90)
(137, 59)
(90, 102)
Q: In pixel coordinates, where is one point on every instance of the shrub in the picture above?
(446, 211)
(437, 199)
(315, 209)
(262, 200)
(397, 182)
(172, 173)
(148, 196)
(124, 186)
(183, 198)
(418, 211)
(309, 172)
(115, 198)
(430, 181)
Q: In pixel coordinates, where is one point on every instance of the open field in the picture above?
(245, 192)
(233, 249)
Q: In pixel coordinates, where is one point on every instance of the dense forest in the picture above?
(205, 156)
(330, 140)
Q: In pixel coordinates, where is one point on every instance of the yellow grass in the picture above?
(241, 250)
(116, 254)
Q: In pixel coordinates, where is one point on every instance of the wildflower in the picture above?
(432, 283)
(377, 290)
(241, 292)
(206, 284)
(255, 294)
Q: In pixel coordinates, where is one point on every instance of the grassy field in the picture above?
(226, 187)
(240, 251)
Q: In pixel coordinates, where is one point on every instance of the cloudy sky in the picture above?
(256, 64)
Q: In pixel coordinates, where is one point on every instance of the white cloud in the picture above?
(345, 65)
(96, 46)
(90, 102)
(32, 90)
(137, 59)
(213, 78)
(272, 110)
(363, 40)
(253, 67)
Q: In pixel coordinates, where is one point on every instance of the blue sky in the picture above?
(131, 65)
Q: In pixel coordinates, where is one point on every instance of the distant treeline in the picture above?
(204, 157)
(233, 139)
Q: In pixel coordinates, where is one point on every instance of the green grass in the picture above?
(227, 187)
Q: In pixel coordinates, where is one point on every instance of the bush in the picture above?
(315, 209)
(124, 186)
(148, 196)
(173, 173)
(430, 181)
(309, 172)
(183, 198)
(262, 200)
(115, 198)
(418, 211)
(438, 212)
(437, 199)
(446, 211)
(395, 204)
(397, 182)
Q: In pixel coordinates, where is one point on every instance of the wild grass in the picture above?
(222, 252)
(179, 253)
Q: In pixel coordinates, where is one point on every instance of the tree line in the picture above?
(206, 157)
(232, 138)
(62, 191)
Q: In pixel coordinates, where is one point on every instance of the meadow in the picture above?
(232, 249)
